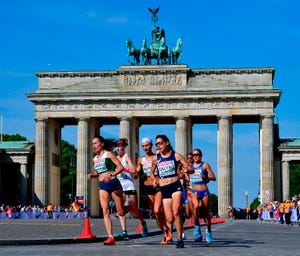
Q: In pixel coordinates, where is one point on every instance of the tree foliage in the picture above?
(68, 173)
(255, 203)
(213, 204)
(294, 179)
(13, 137)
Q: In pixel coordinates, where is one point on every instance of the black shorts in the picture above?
(111, 186)
(130, 192)
(169, 189)
(150, 190)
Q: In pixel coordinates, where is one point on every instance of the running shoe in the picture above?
(164, 241)
(169, 236)
(184, 236)
(196, 231)
(109, 241)
(123, 236)
(134, 209)
(180, 244)
(198, 238)
(144, 229)
(208, 236)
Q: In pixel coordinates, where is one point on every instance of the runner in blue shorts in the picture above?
(106, 168)
(200, 194)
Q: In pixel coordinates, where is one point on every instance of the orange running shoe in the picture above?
(168, 238)
(109, 241)
(164, 241)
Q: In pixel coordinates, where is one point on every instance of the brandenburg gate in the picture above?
(134, 95)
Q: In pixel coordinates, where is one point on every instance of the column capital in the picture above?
(269, 116)
(82, 118)
(124, 118)
(39, 119)
(179, 117)
(228, 117)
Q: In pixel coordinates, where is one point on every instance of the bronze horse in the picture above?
(159, 51)
(145, 53)
(177, 51)
(132, 51)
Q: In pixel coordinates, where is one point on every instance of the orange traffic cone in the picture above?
(139, 228)
(191, 222)
(86, 233)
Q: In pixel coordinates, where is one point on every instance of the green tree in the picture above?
(213, 204)
(13, 137)
(68, 173)
(294, 179)
(254, 204)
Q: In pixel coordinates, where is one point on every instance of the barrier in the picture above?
(265, 215)
(44, 215)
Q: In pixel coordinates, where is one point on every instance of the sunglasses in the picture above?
(159, 143)
(196, 154)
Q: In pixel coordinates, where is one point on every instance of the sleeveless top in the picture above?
(195, 177)
(167, 167)
(103, 164)
(146, 167)
(125, 177)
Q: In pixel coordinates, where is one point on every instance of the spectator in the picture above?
(50, 209)
(288, 211)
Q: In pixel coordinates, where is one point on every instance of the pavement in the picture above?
(59, 237)
(53, 231)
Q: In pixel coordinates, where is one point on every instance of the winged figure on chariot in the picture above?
(158, 49)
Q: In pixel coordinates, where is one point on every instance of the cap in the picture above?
(146, 139)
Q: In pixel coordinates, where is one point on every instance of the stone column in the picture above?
(135, 138)
(54, 147)
(224, 164)
(125, 132)
(285, 180)
(181, 136)
(266, 158)
(41, 163)
(23, 189)
(135, 145)
(189, 141)
(83, 160)
(93, 201)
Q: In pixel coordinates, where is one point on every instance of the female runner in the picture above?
(200, 194)
(167, 161)
(152, 190)
(106, 168)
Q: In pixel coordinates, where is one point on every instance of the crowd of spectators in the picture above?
(287, 212)
(50, 211)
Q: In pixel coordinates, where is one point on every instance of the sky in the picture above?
(90, 36)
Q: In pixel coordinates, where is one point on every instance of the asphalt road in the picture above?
(239, 237)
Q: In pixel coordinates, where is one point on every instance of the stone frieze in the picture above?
(158, 104)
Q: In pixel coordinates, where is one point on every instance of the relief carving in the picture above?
(154, 80)
(160, 104)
